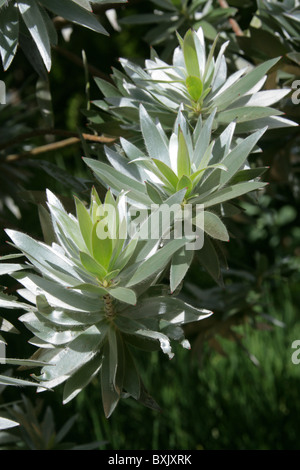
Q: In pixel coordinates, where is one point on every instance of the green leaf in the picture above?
(102, 247)
(46, 225)
(195, 87)
(180, 264)
(78, 352)
(120, 360)
(92, 265)
(156, 262)
(116, 180)
(213, 226)
(183, 158)
(190, 54)
(107, 89)
(203, 137)
(54, 292)
(9, 27)
(85, 287)
(8, 268)
(112, 274)
(236, 90)
(63, 317)
(6, 423)
(167, 172)
(35, 23)
(185, 182)
(153, 193)
(158, 224)
(74, 13)
(131, 382)
(209, 259)
(125, 255)
(154, 140)
(44, 256)
(163, 339)
(246, 113)
(110, 213)
(110, 397)
(85, 223)
(81, 379)
(5, 325)
(46, 331)
(248, 174)
(144, 344)
(230, 192)
(5, 380)
(233, 162)
(10, 301)
(123, 294)
(84, 4)
(24, 362)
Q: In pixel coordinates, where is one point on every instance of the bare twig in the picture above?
(42, 149)
(72, 139)
(234, 24)
(50, 131)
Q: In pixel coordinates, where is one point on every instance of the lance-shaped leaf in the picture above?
(85, 223)
(163, 339)
(6, 423)
(5, 380)
(76, 354)
(92, 265)
(78, 381)
(238, 89)
(194, 86)
(110, 397)
(157, 262)
(48, 332)
(183, 158)
(180, 264)
(213, 226)
(34, 21)
(190, 54)
(119, 182)
(74, 13)
(123, 294)
(229, 192)
(9, 26)
(155, 140)
(102, 244)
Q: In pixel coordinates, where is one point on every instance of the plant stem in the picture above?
(109, 306)
(234, 24)
(71, 140)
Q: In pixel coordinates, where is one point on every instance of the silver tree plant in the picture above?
(94, 295)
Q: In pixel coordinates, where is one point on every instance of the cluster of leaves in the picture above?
(24, 429)
(101, 287)
(282, 17)
(173, 16)
(199, 84)
(28, 23)
(85, 315)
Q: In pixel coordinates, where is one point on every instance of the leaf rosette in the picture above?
(210, 171)
(92, 298)
(199, 82)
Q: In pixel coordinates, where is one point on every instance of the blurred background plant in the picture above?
(36, 432)
(237, 388)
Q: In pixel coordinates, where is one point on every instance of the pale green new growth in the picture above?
(90, 298)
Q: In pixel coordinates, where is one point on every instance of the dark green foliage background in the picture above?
(208, 400)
